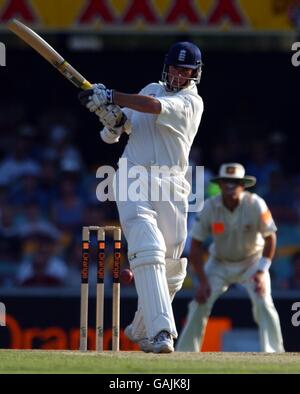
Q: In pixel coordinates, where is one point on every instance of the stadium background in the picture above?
(50, 148)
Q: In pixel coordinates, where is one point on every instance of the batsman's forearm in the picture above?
(270, 246)
(138, 102)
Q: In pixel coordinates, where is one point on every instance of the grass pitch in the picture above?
(48, 361)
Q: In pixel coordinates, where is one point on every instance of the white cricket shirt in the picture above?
(165, 139)
(237, 235)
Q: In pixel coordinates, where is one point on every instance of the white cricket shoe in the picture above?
(163, 343)
(144, 343)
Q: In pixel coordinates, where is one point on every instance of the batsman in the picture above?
(161, 121)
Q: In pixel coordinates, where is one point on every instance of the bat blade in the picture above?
(50, 54)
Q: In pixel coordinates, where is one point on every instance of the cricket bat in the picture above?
(50, 54)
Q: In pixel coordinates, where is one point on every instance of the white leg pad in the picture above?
(152, 288)
(145, 243)
(176, 273)
(138, 328)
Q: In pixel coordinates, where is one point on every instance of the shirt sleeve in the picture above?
(129, 112)
(201, 228)
(179, 109)
(266, 224)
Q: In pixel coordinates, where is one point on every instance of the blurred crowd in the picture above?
(46, 195)
(48, 192)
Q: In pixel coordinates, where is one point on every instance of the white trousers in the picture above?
(154, 230)
(220, 276)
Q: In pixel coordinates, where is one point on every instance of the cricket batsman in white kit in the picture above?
(244, 242)
(161, 121)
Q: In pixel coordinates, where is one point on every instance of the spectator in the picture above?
(294, 282)
(68, 209)
(42, 267)
(280, 202)
(60, 146)
(261, 166)
(10, 256)
(18, 163)
(7, 220)
(27, 189)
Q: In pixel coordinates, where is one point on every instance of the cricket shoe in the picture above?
(163, 343)
(144, 343)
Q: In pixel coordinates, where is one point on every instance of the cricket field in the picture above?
(55, 361)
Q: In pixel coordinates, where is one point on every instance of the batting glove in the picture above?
(111, 116)
(101, 96)
(94, 98)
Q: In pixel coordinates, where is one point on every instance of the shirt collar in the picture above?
(219, 201)
(192, 87)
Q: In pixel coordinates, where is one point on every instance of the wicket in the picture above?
(100, 287)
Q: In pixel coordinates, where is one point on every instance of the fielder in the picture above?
(161, 121)
(244, 242)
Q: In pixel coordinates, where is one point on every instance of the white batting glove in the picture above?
(101, 96)
(109, 136)
(110, 116)
(115, 122)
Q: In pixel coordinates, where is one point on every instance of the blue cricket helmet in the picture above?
(183, 54)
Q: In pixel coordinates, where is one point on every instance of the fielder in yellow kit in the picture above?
(244, 242)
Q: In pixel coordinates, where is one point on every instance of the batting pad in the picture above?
(176, 273)
(154, 299)
(145, 242)
(138, 328)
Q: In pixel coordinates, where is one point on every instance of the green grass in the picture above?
(46, 361)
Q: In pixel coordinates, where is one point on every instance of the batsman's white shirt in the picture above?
(237, 235)
(156, 230)
(165, 139)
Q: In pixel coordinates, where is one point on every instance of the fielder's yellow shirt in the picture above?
(237, 235)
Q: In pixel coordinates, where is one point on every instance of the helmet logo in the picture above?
(182, 55)
(230, 170)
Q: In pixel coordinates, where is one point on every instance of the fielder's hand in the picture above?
(95, 98)
(203, 292)
(260, 283)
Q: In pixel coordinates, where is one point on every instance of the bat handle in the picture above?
(86, 85)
